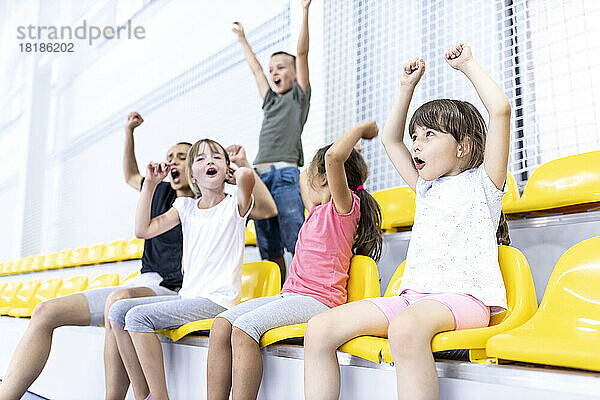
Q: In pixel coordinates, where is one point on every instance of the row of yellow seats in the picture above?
(18, 299)
(119, 250)
(564, 331)
(566, 185)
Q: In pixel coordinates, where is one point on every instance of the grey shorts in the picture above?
(96, 298)
(257, 316)
(148, 314)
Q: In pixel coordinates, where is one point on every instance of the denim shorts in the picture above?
(275, 234)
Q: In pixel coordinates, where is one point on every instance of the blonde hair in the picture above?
(215, 147)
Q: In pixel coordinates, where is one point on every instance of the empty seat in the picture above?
(37, 263)
(135, 249)
(46, 290)
(79, 256)
(50, 261)
(7, 295)
(108, 279)
(63, 259)
(565, 330)
(363, 282)
(74, 285)
(397, 208)
(97, 254)
(116, 251)
(23, 297)
(568, 184)
(259, 279)
(25, 265)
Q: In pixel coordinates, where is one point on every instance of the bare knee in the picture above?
(406, 336)
(46, 315)
(220, 333)
(239, 338)
(317, 336)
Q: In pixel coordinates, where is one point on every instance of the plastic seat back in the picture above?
(23, 296)
(512, 192)
(363, 279)
(97, 254)
(47, 290)
(15, 267)
(8, 294)
(565, 330)
(2, 287)
(250, 234)
(393, 288)
(397, 207)
(260, 279)
(37, 263)
(26, 264)
(116, 251)
(108, 279)
(50, 261)
(4, 267)
(74, 285)
(63, 259)
(565, 182)
(135, 249)
(129, 277)
(79, 256)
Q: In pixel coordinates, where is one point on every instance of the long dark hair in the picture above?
(369, 236)
(464, 122)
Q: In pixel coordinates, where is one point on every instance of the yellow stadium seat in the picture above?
(135, 249)
(397, 208)
(363, 282)
(565, 330)
(3, 267)
(116, 251)
(2, 286)
(26, 264)
(37, 263)
(129, 277)
(50, 261)
(74, 285)
(108, 279)
(97, 254)
(23, 297)
(15, 267)
(79, 256)
(63, 259)
(259, 279)
(566, 185)
(250, 234)
(512, 192)
(521, 305)
(46, 290)
(7, 295)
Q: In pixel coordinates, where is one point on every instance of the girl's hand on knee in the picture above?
(458, 55)
(413, 71)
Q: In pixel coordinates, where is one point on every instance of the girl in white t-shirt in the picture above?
(451, 279)
(213, 227)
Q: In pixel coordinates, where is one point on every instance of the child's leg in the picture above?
(141, 322)
(328, 331)
(219, 348)
(116, 380)
(33, 350)
(410, 333)
(247, 330)
(117, 317)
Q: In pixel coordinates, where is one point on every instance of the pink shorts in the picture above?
(468, 312)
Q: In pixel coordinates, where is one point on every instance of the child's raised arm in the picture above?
(393, 131)
(335, 158)
(302, 50)
(264, 205)
(244, 179)
(259, 75)
(497, 143)
(146, 228)
(130, 167)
